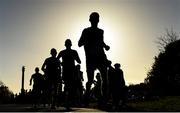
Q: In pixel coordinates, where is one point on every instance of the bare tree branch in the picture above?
(168, 37)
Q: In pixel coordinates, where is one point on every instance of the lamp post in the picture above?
(22, 85)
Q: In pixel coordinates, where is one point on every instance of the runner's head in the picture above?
(53, 52)
(36, 69)
(68, 43)
(94, 18)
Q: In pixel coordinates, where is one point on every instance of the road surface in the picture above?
(30, 108)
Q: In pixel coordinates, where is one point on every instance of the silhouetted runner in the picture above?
(93, 41)
(118, 87)
(52, 70)
(79, 84)
(69, 56)
(97, 88)
(38, 81)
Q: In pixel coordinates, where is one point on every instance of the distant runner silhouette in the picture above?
(38, 81)
(117, 86)
(69, 56)
(119, 93)
(97, 88)
(52, 70)
(93, 41)
(79, 84)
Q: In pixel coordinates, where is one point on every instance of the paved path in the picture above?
(29, 108)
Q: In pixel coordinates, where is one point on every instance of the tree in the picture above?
(164, 76)
(1, 83)
(6, 95)
(168, 37)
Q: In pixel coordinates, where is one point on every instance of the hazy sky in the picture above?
(30, 28)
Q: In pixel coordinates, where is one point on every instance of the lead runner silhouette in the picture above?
(93, 41)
